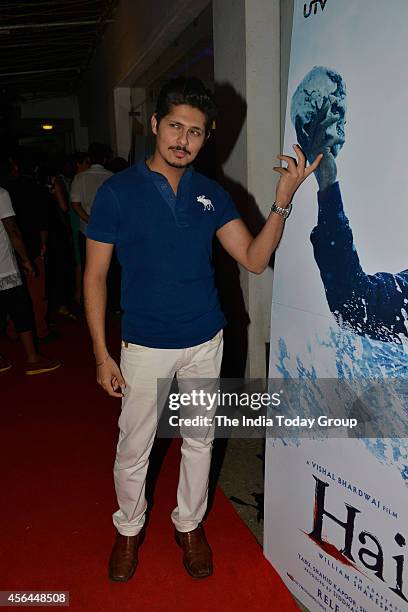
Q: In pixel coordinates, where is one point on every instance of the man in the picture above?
(161, 215)
(14, 300)
(29, 201)
(84, 187)
(375, 305)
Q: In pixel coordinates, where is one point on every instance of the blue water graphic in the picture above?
(376, 372)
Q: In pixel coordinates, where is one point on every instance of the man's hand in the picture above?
(255, 253)
(315, 138)
(77, 206)
(110, 378)
(28, 267)
(293, 175)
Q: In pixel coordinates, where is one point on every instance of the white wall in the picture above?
(141, 32)
(247, 58)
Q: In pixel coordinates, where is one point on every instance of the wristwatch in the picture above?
(283, 212)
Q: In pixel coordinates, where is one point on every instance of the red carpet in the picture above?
(58, 439)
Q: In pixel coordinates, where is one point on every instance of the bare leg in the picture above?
(29, 346)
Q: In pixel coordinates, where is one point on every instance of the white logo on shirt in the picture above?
(208, 205)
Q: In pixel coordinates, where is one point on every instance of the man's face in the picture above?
(318, 110)
(180, 135)
(82, 166)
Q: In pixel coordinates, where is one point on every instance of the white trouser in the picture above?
(141, 366)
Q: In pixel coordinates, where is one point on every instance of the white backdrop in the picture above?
(365, 41)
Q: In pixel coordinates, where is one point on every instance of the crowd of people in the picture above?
(44, 209)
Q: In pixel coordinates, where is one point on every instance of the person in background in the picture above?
(29, 201)
(84, 188)
(14, 299)
(60, 253)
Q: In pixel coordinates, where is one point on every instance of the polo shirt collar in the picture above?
(146, 172)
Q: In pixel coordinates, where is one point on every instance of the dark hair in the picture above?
(80, 157)
(117, 165)
(98, 153)
(186, 90)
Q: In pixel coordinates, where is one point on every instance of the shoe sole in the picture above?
(186, 567)
(6, 368)
(113, 579)
(42, 370)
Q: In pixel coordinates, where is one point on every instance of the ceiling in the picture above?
(46, 45)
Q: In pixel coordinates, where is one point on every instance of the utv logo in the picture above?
(207, 204)
(313, 5)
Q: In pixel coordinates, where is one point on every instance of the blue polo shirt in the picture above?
(164, 245)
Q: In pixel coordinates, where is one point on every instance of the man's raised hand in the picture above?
(293, 175)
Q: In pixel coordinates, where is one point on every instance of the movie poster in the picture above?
(336, 506)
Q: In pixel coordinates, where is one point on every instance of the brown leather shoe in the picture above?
(124, 557)
(197, 555)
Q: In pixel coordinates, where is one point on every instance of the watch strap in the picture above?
(283, 212)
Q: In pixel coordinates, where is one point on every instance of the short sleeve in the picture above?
(227, 210)
(103, 225)
(6, 207)
(75, 193)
